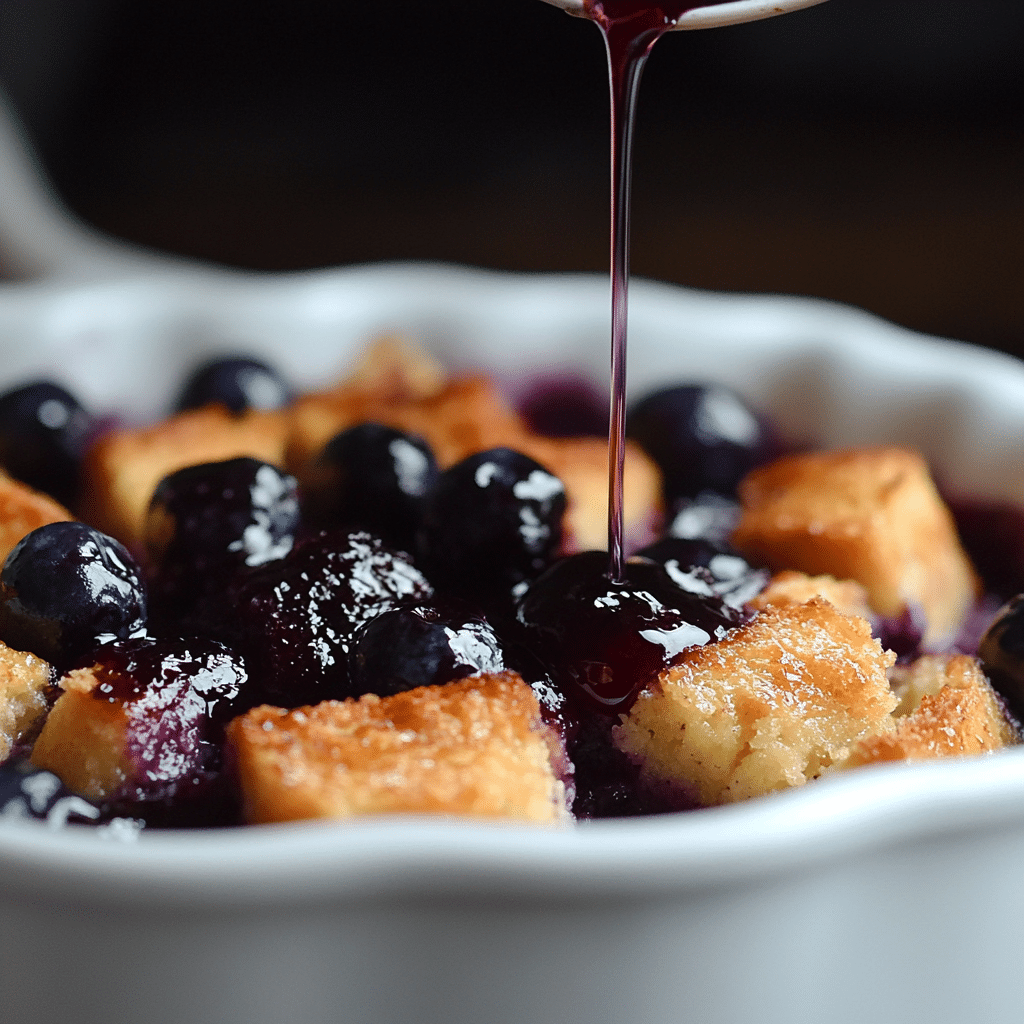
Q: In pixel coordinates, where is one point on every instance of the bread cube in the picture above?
(23, 510)
(475, 747)
(24, 685)
(123, 468)
(85, 739)
(947, 709)
(766, 708)
(871, 515)
(789, 587)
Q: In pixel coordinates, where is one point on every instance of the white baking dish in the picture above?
(891, 894)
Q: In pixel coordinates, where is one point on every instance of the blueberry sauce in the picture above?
(177, 695)
(630, 28)
(605, 639)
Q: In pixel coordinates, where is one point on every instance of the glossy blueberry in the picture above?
(492, 523)
(30, 792)
(371, 477)
(43, 435)
(207, 522)
(707, 569)
(702, 436)
(65, 588)
(1002, 654)
(421, 645)
(297, 618)
(238, 382)
(604, 640)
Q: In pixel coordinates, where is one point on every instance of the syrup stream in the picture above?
(630, 28)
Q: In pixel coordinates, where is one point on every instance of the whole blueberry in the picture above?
(702, 436)
(371, 477)
(1001, 652)
(492, 523)
(30, 792)
(43, 434)
(237, 382)
(708, 569)
(207, 522)
(421, 645)
(66, 588)
(297, 619)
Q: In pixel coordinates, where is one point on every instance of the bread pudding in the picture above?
(388, 596)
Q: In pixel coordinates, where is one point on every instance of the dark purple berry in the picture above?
(708, 570)
(707, 516)
(566, 407)
(492, 523)
(239, 383)
(177, 696)
(374, 478)
(207, 522)
(421, 645)
(605, 640)
(298, 617)
(65, 588)
(43, 436)
(1002, 654)
(704, 437)
(30, 792)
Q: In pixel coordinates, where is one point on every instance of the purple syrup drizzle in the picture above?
(630, 28)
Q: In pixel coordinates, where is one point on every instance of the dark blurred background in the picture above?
(870, 151)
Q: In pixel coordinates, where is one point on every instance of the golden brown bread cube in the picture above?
(871, 515)
(84, 741)
(766, 708)
(473, 747)
(789, 587)
(947, 709)
(581, 463)
(23, 510)
(123, 468)
(24, 682)
(467, 415)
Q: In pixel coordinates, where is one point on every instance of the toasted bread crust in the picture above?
(766, 708)
(24, 682)
(84, 740)
(23, 510)
(123, 468)
(956, 713)
(473, 747)
(871, 515)
(789, 587)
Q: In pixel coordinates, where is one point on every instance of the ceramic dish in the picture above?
(888, 894)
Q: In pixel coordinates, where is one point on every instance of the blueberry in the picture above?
(43, 435)
(30, 792)
(605, 640)
(207, 522)
(297, 618)
(374, 478)
(238, 382)
(704, 437)
(421, 645)
(708, 569)
(491, 524)
(65, 588)
(1001, 652)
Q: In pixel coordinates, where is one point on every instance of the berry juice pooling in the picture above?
(630, 28)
